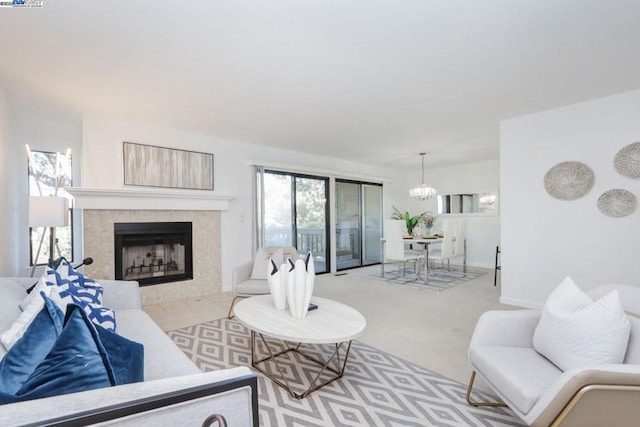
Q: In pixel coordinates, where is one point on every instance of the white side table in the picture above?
(331, 323)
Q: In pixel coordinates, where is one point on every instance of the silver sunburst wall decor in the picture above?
(569, 180)
(617, 203)
(627, 161)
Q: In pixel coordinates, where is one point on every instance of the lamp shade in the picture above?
(48, 211)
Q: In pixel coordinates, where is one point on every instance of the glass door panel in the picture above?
(372, 223)
(358, 224)
(278, 210)
(311, 219)
(348, 245)
(293, 210)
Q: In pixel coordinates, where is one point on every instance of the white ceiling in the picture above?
(374, 81)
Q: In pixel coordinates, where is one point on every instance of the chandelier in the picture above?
(422, 191)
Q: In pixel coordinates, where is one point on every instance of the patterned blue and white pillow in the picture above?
(73, 292)
(102, 316)
(76, 286)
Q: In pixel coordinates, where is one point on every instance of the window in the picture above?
(49, 173)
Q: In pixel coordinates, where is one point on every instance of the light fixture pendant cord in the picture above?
(422, 155)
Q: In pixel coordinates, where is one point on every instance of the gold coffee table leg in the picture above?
(337, 369)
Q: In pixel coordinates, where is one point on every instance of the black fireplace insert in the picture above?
(153, 252)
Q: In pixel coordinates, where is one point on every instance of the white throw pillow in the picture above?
(575, 331)
(47, 279)
(261, 264)
(18, 328)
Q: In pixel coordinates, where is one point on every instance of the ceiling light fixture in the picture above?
(422, 191)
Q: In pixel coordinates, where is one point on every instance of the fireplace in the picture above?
(153, 252)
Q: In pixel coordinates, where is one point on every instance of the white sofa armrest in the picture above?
(121, 294)
(502, 327)
(185, 400)
(241, 273)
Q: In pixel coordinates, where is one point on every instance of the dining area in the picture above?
(422, 255)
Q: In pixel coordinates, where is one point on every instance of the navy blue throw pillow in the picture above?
(32, 348)
(85, 357)
(126, 356)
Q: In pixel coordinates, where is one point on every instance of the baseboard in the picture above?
(473, 264)
(488, 266)
(521, 303)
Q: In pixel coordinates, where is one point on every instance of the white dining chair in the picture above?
(394, 250)
(446, 249)
(460, 236)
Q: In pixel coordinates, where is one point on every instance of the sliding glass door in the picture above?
(371, 223)
(348, 220)
(358, 224)
(293, 211)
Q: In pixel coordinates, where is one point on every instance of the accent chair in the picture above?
(502, 353)
(250, 278)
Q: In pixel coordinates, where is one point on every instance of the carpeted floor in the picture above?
(439, 278)
(378, 389)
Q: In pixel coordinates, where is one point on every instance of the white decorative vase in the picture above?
(310, 278)
(277, 279)
(291, 282)
(300, 286)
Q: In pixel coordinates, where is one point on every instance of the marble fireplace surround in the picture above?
(102, 208)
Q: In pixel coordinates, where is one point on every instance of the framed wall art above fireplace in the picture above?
(151, 166)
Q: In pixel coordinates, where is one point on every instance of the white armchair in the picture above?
(243, 285)
(501, 352)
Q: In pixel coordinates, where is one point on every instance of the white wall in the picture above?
(8, 208)
(102, 168)
(483, 231)
(544, 239)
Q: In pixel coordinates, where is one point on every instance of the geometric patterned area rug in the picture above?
(377, 389)
(439, 279)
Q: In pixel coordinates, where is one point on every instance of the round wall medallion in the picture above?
(617, 203)
(569, 180)
(627, 161)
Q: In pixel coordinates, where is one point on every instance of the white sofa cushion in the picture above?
(575, 331)
(162, 358)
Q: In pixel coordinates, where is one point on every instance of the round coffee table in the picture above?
(331, 323)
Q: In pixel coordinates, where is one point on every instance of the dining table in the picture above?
(425, 241)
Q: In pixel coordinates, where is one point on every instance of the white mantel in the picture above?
(146, 198)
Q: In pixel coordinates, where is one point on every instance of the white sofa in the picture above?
(174, 392)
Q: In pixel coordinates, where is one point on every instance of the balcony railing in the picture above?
(309, 239)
